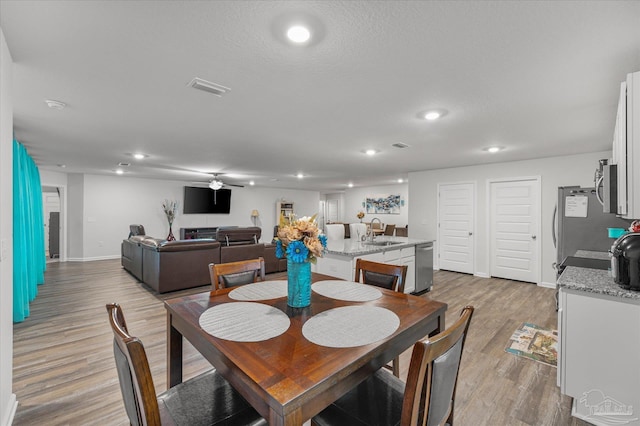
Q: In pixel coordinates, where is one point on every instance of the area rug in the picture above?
(536, 343)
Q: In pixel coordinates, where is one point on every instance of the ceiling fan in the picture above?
(217, 183)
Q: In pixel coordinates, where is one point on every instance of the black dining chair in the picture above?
(207, 399)
(426, 399)
(384, 275)
(233, 274)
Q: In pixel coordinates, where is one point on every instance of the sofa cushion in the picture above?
(179, 245)
(238, 236)
(241, 252)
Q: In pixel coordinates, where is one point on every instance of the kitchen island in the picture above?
(339, 259)
(599, 345)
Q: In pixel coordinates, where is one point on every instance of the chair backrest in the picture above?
(335, 232)
(357, 230)
(232, 274)
(402, 232)
(433, 374)
(136, 230)
(391, 277)
(388, 230)
(136, 382)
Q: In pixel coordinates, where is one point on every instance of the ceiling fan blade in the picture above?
(233, 184)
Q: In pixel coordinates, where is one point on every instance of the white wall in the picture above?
(354, 197)
(7, 398)
(554, 172)
(111, 203)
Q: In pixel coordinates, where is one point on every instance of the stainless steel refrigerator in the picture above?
(580, 224)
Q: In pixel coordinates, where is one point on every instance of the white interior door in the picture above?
(332, 211)
(456, 219)
(515, 219)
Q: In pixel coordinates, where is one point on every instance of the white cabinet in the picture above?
(626, 147)
(344, 267)
(598, 355)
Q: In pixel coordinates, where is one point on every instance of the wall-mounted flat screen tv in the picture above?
(206, 200)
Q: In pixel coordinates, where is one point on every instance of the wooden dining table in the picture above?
(289, 379)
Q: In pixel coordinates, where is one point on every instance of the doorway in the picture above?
(456, 223)
(54, 220)
(514, 228)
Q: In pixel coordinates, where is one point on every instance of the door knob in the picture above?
(470, 233)
(533, 237)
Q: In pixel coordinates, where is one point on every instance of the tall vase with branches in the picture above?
(170, 209)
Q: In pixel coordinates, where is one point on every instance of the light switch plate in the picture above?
(3, 249)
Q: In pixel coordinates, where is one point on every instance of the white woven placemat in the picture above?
(260, 291)
(347, 290)
(244, 321)
(350, 326)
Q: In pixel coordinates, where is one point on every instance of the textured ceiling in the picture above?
(538, 78)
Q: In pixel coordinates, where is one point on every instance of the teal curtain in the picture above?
(29, 262)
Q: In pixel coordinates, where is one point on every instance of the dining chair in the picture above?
(334, 231)
(391, 277)
(402, 232)
(388, 229)
(233, 274)
(207, 399)
(428, 396)
(357, 231)
(387, 276)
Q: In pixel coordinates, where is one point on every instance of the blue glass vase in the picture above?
(299, 284)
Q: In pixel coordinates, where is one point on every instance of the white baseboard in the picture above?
(547, 285)
(89, 259)
(12, 406)
(481, 275)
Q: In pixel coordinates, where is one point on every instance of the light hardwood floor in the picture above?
(64, 372)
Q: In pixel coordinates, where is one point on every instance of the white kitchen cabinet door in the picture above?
(599, 355)
(410, 281)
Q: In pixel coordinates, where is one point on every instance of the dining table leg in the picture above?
(174, 354)
(440, 325)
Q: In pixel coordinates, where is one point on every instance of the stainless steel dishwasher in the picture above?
(424, 267)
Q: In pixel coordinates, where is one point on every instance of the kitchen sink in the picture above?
(381, 243)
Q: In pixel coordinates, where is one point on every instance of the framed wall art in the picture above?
(383, 204)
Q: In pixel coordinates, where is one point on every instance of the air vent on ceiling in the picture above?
(400, 145)
(207, 86)
(124, 164)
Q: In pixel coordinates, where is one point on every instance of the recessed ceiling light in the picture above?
(400, 180)
(119, 172)
(493, 149)
(298, 34)
(62, 166)
(371, 152)
(55, 104)
(299, 175)
(432, 115)
(251, 183)
(350, 185)
(139, 156)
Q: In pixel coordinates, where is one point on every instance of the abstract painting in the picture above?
(383, 204)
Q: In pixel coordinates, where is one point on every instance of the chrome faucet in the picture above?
(373, 234)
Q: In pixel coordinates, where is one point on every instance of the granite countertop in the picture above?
(351, 247)
(594, 281)
(588, 254)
